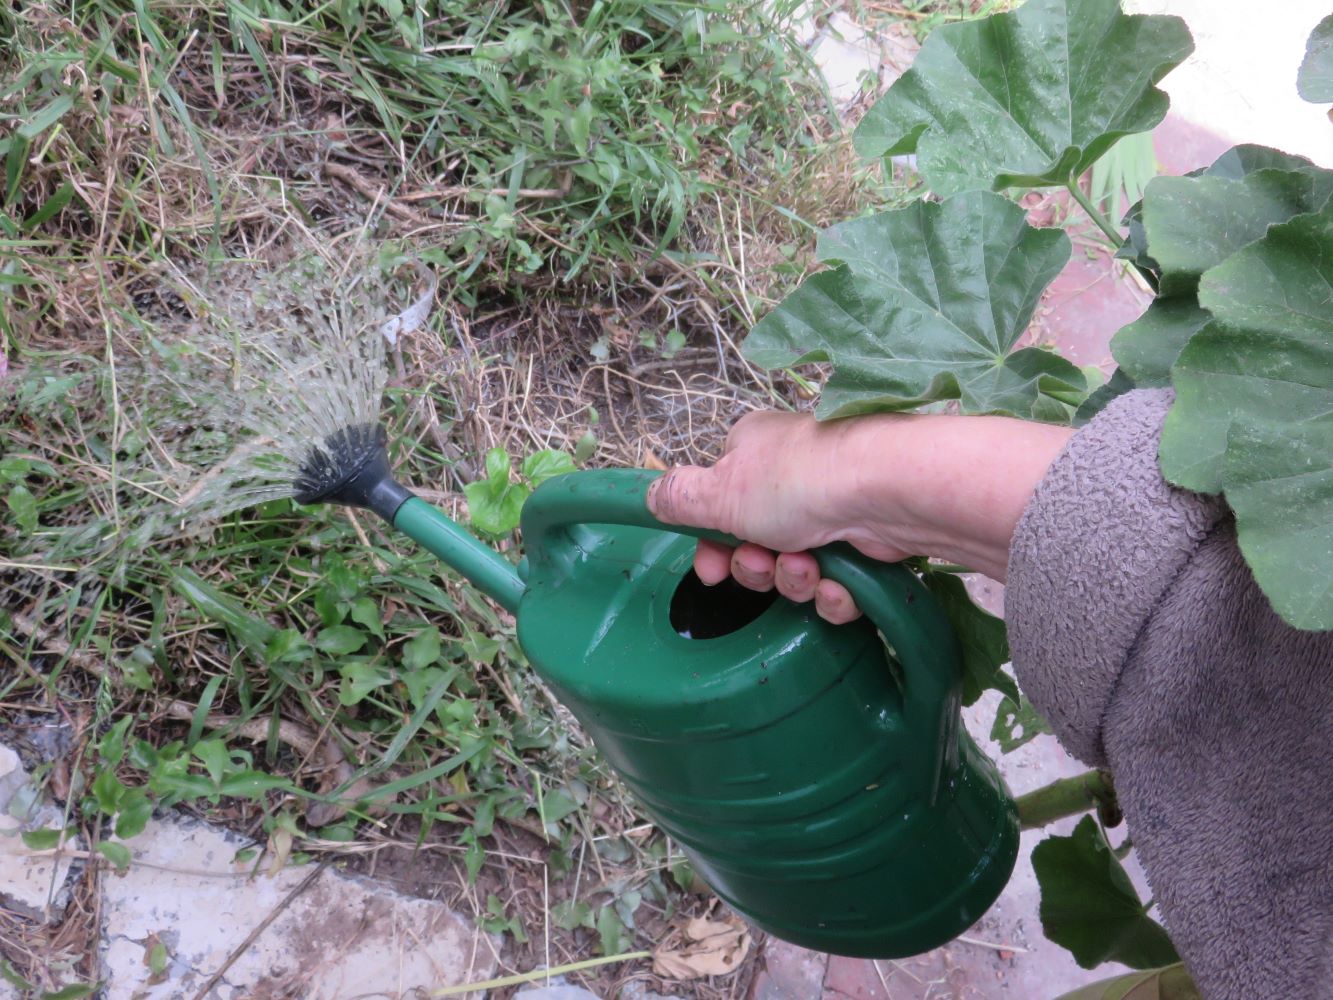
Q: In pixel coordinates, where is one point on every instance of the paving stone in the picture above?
(789, 972)
(339, 937)
(846, 53)
(636, 990)
(34, 887)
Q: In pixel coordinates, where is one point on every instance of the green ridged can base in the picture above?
(819, 779)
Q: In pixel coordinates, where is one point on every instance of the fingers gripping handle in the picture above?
(908, 616)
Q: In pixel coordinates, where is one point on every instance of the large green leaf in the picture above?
(983, 637)
(1029, 98)
(1089, 905)
(1147, 348)
(1194, 223)
(1100, 398)
(1170, 983)
(1279, 482)
(1254, 410)
(1315, 79)
(926, 305)
(1189, 224)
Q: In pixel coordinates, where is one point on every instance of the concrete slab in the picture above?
(304, 932)
(850, 56)
(33, 885)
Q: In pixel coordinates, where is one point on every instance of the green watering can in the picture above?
(820, 783)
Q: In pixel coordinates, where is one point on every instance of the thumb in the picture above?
(689, 495)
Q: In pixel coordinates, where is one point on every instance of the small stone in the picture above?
(34, 887)
(790, 972)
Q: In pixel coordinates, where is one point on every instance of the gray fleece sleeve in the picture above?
(1138, 630)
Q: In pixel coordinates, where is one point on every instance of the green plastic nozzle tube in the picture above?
(450, 542)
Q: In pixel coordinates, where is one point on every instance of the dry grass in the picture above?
(284, 157)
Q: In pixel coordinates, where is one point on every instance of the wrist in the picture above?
(947, 487)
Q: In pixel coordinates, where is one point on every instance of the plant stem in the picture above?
(1066, 797)
(1086, 204)
(528, 977)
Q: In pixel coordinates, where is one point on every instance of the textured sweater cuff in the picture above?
(1100, 541)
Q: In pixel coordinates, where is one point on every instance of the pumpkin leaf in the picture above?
(1118, 385)
(1169, 983)
(1314, 82)
(1253, 415)
(1194, 223)
(1089, 905)
(1189, 224)
(1023, 98)
(926, 305)
(1279, 483)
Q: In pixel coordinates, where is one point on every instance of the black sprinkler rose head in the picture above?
(352, 469)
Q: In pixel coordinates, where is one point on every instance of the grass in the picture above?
(609, 195)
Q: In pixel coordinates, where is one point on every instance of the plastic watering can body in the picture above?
(819, 780)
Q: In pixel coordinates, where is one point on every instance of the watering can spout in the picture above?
(351, 468)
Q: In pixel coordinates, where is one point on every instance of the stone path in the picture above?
(189, 920)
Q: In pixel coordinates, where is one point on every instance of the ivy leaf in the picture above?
(1170, 983)
(1022, 98)
(136, 809)
(358, 680)
(927, 304)
(615, 936)
(340, 640)
(983, 638)
(1089, 905)
(1314, 82)
(570, 913)
(118, 854)
(1253, 415)
(42, 840)
(542, 465)
(366, 613)
(23, 506)
(422, 649)
(1190, 224)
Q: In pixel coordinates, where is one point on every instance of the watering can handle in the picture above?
(904, 611)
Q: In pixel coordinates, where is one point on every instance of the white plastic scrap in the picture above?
(413, 317)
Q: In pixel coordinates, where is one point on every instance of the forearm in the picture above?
(894, 485)
(946, 486)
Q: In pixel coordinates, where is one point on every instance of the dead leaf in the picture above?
(713, 948)
(651, 461)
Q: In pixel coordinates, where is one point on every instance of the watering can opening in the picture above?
(698, 611)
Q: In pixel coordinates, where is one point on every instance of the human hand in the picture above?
(892, 485)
